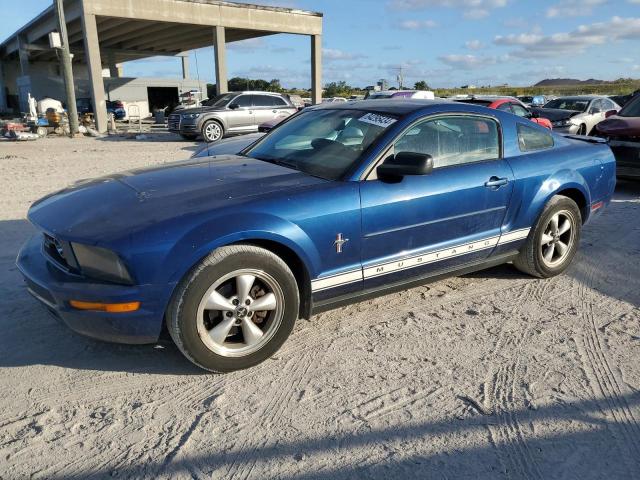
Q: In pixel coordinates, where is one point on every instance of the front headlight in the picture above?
(562, 123)
(100, 263)
(190, 115)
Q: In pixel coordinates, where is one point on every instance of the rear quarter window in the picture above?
(530, 139)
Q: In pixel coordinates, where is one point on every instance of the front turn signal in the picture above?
(105, 307)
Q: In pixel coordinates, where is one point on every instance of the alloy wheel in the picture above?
(240, 313)
(558, 238)
(212, 132)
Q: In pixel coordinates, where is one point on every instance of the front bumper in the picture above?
(627, 155)
(55, 288)
(181, 125)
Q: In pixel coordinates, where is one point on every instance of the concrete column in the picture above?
(185, 67)
(316, 69)
(94, 62)
(23, 53)
(3, 89)
(114, 70)
(220, 52)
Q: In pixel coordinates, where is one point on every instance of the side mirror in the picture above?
(610, 113)
(234, 106)
(406, 163)
(535, 115)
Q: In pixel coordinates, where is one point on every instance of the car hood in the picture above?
(106, 209)
(227, 146)
(555, 114)
(620, 126)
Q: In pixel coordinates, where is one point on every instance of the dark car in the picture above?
(341, 203)
(230, 114)
(116, 107)
(623, 133)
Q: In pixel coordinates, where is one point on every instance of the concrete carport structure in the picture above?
(104, 33)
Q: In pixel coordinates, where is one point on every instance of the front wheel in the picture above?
(212, 131)
(554, 240)
(235, 309)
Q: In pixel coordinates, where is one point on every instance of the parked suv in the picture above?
(230, 113)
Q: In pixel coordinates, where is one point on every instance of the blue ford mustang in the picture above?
(339, 203)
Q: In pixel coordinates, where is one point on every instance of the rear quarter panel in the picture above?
(571, 164)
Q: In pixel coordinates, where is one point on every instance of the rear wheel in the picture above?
(235, 309)
(554, 240)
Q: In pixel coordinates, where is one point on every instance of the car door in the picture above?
(240, 118)
(264, 109)
(421, 225)
(597, 113)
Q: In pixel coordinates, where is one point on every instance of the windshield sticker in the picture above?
(379, 120)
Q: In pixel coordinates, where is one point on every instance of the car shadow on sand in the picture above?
(602, 448)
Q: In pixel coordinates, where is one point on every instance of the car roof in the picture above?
(392, 106)
(580, 97)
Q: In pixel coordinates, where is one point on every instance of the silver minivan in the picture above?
(230, 114)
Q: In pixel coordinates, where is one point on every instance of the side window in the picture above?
(262, 101)
(597, 105)
(244, 101)
(454, 140)
(520, 110)
(608, 105)
(279, 102)
(531, 139)
(505, 107)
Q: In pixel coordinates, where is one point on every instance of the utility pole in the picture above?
(67, 69)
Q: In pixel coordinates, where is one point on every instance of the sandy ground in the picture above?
(494, 375)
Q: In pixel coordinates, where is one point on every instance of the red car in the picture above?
(623, 132)
(508, 104)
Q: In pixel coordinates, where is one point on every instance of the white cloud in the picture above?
(476, 13)
(474, 44)
(424, 4)
(247, 46)
(574, 42)
(574, 8)
(467, 62)
(417, 24)
(330, 54)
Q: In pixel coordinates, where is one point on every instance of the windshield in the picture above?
(377, 96)
(568, 104)
(632, 108)
(324, 143)
(219, 101)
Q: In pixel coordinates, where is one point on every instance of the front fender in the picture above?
(211, 116)
(223, 230)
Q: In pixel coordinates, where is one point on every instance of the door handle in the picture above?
(496, 182)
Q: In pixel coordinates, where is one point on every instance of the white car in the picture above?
(577, 115)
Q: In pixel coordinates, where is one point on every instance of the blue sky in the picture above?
(445, 42)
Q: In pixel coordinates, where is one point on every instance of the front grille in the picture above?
(174, 122)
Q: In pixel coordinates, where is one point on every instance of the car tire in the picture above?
(188, 137)
(582, 130)
(552, 243)
(212, 131)
(218, 339)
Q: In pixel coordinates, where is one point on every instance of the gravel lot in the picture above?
(493, 375)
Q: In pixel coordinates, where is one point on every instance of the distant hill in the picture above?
(554, 82)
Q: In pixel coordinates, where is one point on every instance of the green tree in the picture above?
(337, 89)
(421, 85)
